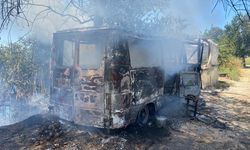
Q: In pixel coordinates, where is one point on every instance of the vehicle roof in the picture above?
(118, 31)
(85, 29)
(107, 30)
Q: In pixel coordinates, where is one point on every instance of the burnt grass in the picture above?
(51, 132)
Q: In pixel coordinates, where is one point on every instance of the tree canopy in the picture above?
(214, 33)
(17, 68)
(134, 15)
(234, 44)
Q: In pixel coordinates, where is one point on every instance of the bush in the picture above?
(17, 68)
(232, 68)
(248, 61)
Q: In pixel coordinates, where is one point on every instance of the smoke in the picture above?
(13, 110)
(159, 17)
(199, 15)
(167, 53)
(43, 18)
(170, 19)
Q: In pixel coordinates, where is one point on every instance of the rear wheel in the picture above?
(143, 116)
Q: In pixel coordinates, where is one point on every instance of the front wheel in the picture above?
(143, 117)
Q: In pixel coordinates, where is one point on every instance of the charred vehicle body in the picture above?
(111, 78)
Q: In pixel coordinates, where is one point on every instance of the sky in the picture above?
(197, 13)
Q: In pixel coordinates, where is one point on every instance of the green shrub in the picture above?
(248, 61)
(232, 68)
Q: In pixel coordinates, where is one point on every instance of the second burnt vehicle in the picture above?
(110, 78)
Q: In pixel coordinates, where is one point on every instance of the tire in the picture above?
(143, 116)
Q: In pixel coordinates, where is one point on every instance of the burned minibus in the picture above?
(110, 78)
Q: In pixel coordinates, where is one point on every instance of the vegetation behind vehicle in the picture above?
(234, 44)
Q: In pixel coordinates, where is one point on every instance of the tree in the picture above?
(244, 38)
(240, 33)
(9, 9)
(17, 68)
(133, 15)
(235, 40)
(229, 62)
(238, 6)
(214, 33)
(227, 50)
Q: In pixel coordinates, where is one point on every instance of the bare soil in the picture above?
(222, 123)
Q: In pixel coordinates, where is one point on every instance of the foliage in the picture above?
(133, 15)
(231, 50)
(17, 68)
(234, 45)
(41, 58)
(239, 34)
(248, 61)
(227, 50)
(232, 68)
(214, 33)
(234, 40)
